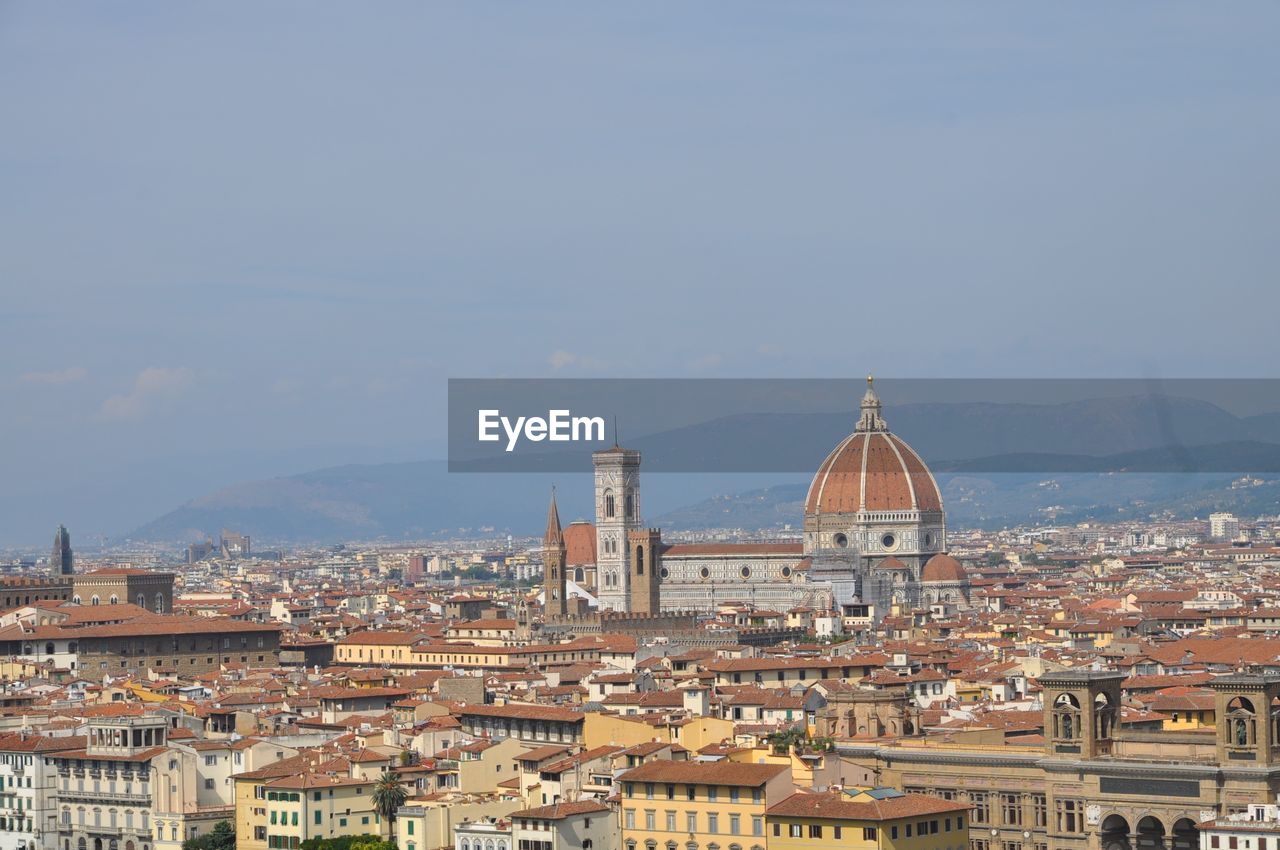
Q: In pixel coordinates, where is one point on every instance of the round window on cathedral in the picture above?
(928, 540)
(664, 573)
(840, 540)
(786, 572)
(704, 572)
(746, 572)
(888, 541)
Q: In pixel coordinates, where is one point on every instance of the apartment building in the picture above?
(668, 802)
(867, 819)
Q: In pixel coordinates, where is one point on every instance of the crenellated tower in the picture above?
(645, 548)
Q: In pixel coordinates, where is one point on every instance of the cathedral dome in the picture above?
(872, 470)
(580, 544)
(943, 568)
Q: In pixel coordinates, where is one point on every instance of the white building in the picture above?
(1224, 526)
(25, 808)
(1258, 828)
(584, 825)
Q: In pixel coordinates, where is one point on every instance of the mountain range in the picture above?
(998, 464)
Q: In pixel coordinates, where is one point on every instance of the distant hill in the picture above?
(946, 434)
(1007, 499)
(998, 465)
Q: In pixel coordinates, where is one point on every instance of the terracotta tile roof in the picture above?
(705, 773)
(733, 549)
(838, 806)
(561, 810)
(523, 711)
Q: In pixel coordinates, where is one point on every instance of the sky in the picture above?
(242, 240)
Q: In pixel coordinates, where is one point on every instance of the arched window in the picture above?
(1241, 719)
(94, 600)
(631, 504)
(639, 560)
(76, 600)
(608, 504)
(115, 600)
(141, 601)
(48, 648)
(1066, 717)
(1104, 716)
(464, 844)
(159, 603)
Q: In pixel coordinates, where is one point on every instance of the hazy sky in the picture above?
(246, 239)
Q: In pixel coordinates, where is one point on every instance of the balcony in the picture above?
(87, 796)
(105, 831)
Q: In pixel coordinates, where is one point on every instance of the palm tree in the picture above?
(389, 795)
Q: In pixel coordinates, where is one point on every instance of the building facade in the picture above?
(873, 523)
(1089, 785)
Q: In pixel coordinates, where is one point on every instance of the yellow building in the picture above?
(318, 805)
(616, 730)
(377, 647)
(1185, 709)
(703, 802)
(251, 799)
(867, 819)
(271, 810)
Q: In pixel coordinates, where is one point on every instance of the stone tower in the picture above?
(61, 562)
(1248, 726)
(1081, 711)
(645, 548)
(553, 561)
(617, 479)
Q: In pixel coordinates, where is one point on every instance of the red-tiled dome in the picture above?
(580, 544)
(872, 470)
(943, 568)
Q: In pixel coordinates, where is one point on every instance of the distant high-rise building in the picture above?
(1224, 526)
(233, 544)
(61, 562)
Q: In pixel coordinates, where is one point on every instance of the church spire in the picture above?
(553, 564)
(871, 420)
(554, 536)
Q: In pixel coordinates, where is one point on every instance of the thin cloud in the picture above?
(153, 386)
(57, 376)
(560, 359)
(706, 362)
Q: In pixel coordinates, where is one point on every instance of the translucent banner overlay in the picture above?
(1183, 425)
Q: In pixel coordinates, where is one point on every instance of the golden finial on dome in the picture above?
(870, 380)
